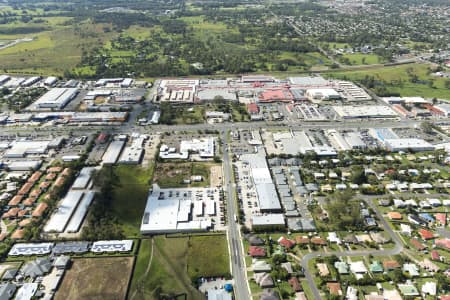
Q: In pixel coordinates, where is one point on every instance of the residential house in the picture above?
(334, 288)
(376, 267)
(255, 251)
(264, 280)
(295, 284)
(411, 269)
(323, 269)
(261, 266)
(426, 234)
(37, 267)
(390, 265)
(418, 245)
(429, 265)
(341, 267)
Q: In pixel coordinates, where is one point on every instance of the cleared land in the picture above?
(176, 263)
(130, 197)
(171, 175)
(96, 278)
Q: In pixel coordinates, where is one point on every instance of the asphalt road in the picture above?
(234, 238)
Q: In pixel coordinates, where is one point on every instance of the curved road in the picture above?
(385, 252)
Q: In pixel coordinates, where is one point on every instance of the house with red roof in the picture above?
(426, 234)
(286, 243)
(441, 218)
(443, 243)
(295, 284)
(418, 245)
(435, 255)
(255, 251)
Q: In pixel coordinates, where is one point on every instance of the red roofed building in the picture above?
(445, 297)
(335, 288)
(418, 245)
(275, 95)
(441, 218)
(288, 244)
(426, 234)
(318, 241)
(302, 240)
(295, 284)
(253, 108)
(389, 265)
(101, 139)
(435, 255)
(255, 251)
(443, 243)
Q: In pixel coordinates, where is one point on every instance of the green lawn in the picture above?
(208, 256)
(397, 80)
(175, 262)
(362, 59)
(130, 197)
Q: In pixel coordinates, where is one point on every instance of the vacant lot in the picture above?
(208, 256)
(130, 197)
(175, 263)
(96, 278)
(172, 175)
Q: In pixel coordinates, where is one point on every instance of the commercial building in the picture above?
(177, 90)
(170, 210)
(268, 221)
(309, 81)
(213, 94)
(30, 81)
(365, 111)
(322, 94)
(203, 147)
(24, 165)
(408, 144)
(56, 98)
(265, 188)
(275, 95)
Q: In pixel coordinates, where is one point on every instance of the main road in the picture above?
(234, 237)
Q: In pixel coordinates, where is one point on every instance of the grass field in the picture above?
(52, 52)
(362, 59)
(214, 249)
(130, 197)
(96, 278)
(172, 174)
(392, 75)
(173, 262)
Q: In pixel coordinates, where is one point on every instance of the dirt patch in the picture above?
(96, 278)
(216, 176)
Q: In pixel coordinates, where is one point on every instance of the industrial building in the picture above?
(83, 179)
(4, 79)
(50, 81)
(178, 90)
(113, 151)
(133, 153)
(56, 98)
(309, 81)
(59, 220)
(31, 80)
(171, 210)
(22, 148)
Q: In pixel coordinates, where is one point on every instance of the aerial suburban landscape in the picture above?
(225, 149)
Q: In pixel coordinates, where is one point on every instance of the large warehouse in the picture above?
(56, 98)
(365, 111)
(170, 210)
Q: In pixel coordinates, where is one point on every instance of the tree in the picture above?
(427, 127)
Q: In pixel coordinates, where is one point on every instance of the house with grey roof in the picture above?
(37, 267)
(7, 291)
(9, 274)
